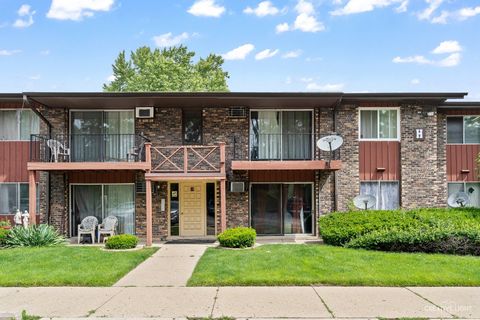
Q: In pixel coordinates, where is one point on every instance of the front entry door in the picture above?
(192, 209)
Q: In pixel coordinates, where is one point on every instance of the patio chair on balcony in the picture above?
(57, 149)
(107, 227)
(135, 153)
(88, 226)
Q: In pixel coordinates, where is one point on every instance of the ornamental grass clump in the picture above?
(121, 241)
(240, 237)
(41, 235)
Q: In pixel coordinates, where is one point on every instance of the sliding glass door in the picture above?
(281, 135)
(102, 135)
(281, 208)
(102, 201)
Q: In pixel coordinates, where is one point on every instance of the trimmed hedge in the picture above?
(452, 231)
(121, 241)
(240, 237)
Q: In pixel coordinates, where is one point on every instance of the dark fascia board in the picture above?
(9, 97)
(425, 97)
(460, 105)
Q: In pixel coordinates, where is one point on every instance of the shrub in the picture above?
(240, 237)
(5, 224)
(3, 236)
(455, 231)
(41, 235)
(121, 241)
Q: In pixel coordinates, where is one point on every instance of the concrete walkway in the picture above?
(171, 265)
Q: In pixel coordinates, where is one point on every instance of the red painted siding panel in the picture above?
(379, 154)
(14, 156)
(282, 176)
(462, 157)
(101, 177)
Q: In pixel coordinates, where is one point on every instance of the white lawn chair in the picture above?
(57, 149)
(107, 227)
(88, 226)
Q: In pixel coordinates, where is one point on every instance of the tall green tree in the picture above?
(170, 69)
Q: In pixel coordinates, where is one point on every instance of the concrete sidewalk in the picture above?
(243, 302)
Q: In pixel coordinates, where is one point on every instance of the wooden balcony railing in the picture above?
(188, 159)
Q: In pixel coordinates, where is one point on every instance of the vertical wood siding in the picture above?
(101, 177)
(462, 157)
(14, 156)
(379, 154)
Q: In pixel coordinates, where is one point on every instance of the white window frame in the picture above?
(312, 119)
(463, 129)
(18, 196)
(378, 123)
(18, 117)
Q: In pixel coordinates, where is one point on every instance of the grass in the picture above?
(66, 266)
(285, 265)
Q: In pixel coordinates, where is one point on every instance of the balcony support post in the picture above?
(148, 204)
(185, 159)
(223, 205)
(32, 196)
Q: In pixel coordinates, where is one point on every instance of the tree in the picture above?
(170, 69)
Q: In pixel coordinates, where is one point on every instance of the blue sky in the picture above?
(291, 45)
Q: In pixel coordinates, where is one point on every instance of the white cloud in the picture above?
(169, 40)
(77, 9)
(239, 53)
(403, 7)
(206, 8)
(459, 15)
(111, 78)
(25, 17)
(313, 86)
(449, 46)
(265, 54)
(313, 59)
(292, 54)
(282, 27)
(305, 79)
(4, 52)
(34, 77)
(412, 59)
(427, 13)
(305, 21)
(264, 8)
(359, 6)
(415, 81)
(441, 19)
(450, 61)
(466, 13)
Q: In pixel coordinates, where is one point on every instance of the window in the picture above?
(192, 127)
(14, 196)
(379, 124)
(281, 135)
(18, 124)
(281, 208)
(472, 189)
(463, 129)
(387, 193)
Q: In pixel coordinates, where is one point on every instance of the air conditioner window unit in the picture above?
(144, 112)
(237, 186)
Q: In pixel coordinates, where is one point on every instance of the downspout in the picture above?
(335, 178)
(26, 101)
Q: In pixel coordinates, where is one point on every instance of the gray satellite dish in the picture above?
(364, 201)
(329, 143)
(458, 199)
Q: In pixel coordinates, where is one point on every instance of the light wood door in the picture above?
(192, 209)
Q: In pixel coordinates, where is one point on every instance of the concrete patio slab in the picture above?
(269, 302)
(172, 265)
(159, 302)
(372, 302)
(463, 302)
(56, 301)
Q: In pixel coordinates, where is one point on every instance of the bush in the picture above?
(240, 237)
(5, 224)
(454, 231)
(3, 236)
(34, 236)
(121, 241)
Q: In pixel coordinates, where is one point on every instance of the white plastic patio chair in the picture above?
(107, 227)
(57, 149)
(87, 226)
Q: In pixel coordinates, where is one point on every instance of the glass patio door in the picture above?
(86, 139)
(86, 201)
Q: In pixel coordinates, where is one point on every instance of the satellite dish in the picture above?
(458, 199)
(329, 143)
(364, 201)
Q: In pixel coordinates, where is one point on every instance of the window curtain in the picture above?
(368, 124)
(8, 198)
(269, 135)
(472, 189)
(472, 129)
(119, 138)
(297, 208)
(29, 124)
(266, 208)
(87, 139)
(386, 193)
(8, 125)
(87, 201)
(454, 129)
(119, 202)
(296, 135)
(388, 124)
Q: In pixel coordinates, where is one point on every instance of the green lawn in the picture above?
(66, 266)
(284, 265)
